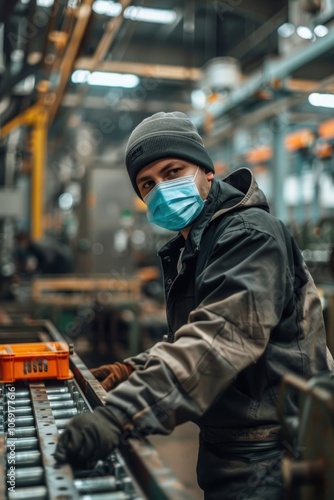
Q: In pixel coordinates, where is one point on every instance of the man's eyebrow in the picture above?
(164, 168)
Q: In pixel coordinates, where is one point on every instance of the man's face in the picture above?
(172, 168)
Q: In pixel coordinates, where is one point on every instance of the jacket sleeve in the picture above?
(240, 294)
(138, 362)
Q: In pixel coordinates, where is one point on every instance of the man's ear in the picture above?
(209, 175)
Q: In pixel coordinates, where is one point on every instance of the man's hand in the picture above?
(112, 375)
(88, 438)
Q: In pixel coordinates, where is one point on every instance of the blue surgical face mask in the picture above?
(174, 204)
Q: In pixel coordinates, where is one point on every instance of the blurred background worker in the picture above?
(242, 310)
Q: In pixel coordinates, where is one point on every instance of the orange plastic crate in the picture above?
(34, 361)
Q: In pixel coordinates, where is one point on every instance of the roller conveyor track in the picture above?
(33, 416)
(34, 413)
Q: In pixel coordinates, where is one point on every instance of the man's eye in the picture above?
(173, 171)
(147, 184)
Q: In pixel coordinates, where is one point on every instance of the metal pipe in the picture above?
(29, 476)
(62, 422)
(22, 393)
(280, 166)
(35, 492)
(24, 411)
(117, 495)
(56, 397)
(31, 458)
(56, 390)
(62, 404)
(19, 402)
(25, 432)
(24, 421)
(96, 484)
(39, 134)
(30, 443)
(69, 412)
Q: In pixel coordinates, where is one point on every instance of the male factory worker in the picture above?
(242, 311)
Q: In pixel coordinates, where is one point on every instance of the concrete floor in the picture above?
(179, 453)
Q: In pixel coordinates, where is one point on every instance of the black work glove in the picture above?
(88, 438)
(112, 375)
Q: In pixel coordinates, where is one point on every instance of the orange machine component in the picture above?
(324, 150)
(300, 139)
(34, 361)
(260, 154)
(326, 129)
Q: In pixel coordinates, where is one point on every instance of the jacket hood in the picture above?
(240, 190)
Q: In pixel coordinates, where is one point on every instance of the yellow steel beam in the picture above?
(39, 136)
(26, 118)
(66, 66)
(161, 71)
(37, 118)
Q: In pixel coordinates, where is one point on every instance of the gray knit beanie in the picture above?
(164, 135)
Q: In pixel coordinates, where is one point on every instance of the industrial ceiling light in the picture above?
(286, 30)
(102, 78)
(107, 8)
(44, 3)
(304, 32)
(113, 79)
(113, 9)
(80, 76)
(321, 100)
(321, 30)
(145, 14)
(65, 201)
(198, 99)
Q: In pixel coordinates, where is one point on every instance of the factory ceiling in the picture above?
(51, 51)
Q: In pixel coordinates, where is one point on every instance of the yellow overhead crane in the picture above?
(37, 118)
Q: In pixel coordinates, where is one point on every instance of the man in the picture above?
(242, 310)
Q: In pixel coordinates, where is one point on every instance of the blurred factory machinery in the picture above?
(76, 76)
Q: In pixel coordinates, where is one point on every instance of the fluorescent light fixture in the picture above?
(198, 99)
(113, 79)
(80, 76)
(65, 201)
(113, 9)
(107, 8)
(286, 30)
(322, 100)
(103, 78)
(160, 16)
(321, 30)
(304, 32)
(44, 3)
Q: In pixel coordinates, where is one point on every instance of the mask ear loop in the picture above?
(196, 173)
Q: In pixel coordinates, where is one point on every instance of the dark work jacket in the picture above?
(242, 312)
